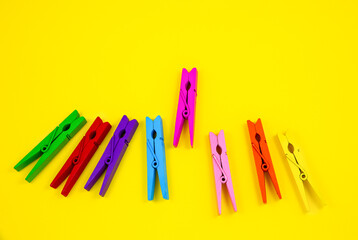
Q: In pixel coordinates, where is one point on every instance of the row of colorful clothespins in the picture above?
(156, 160)
(47, 149)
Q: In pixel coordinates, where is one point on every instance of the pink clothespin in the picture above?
(186, 105)
(221, 167)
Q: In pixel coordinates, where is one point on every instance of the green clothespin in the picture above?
(47, 149)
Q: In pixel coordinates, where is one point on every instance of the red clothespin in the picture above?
(82, 154)
(262, 157)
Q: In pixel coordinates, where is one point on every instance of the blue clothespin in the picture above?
(156, 157)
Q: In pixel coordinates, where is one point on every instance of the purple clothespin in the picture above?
(113, 154)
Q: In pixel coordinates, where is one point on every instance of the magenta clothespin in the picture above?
(221, 167)
(186, 105)
(113, 154)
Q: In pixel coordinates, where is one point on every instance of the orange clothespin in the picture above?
(262, 157)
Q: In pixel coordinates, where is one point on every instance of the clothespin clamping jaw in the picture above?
(81, 156)
(221, 167)
(297, 166)
(186, 105)
(47, 149)
(113, 154)
(156, 157)
(262, 157)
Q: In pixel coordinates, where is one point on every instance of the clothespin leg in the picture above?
(317, 195)
(178, 128)
(261, 178)
(218, 185)
(35, 153)
(229, 186)
(45, 159)
(62, 174)
(272, 174)
(108, 178)
(112, 168)
(230, 189)
(301, 190)
(96, 174)
(162, 174)
(72, 179)
(150, 181)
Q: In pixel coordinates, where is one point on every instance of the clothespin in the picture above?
(262, 157)
(186, 105)
(221, 167)
(298, 169)
(156, 157)
(113, 154)
(81, 156)
(47, 149)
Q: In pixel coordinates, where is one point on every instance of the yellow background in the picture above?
(291, 63)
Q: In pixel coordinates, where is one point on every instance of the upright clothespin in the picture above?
(81, 156)
(113, 154)
(156, 157)
(262, 157)
(221, 167)
(47, 149)
(186, 105)
(298, 169)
